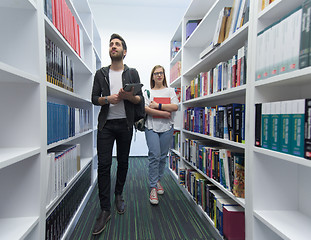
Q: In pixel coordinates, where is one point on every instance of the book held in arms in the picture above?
(162, 100)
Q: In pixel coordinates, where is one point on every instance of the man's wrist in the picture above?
(106, 100)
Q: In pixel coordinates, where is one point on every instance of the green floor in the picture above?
(174, 218)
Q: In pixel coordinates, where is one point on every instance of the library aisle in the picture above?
(174, 218)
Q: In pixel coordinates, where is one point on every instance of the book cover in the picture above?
(162, 100)
(221, 203)
(231, 121)
(298, 118)
(266, 125)
(307, 135)
(234, 222)
(258, 124)
(276, 126)
(239, 176)
(237, 123)
(305, 35)
(286, 126)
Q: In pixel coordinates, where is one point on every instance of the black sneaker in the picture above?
(120, 204)
(101, 222)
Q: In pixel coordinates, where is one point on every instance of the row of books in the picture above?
(173, 163)
(264, 4)
(227, 121)
(178, 93)
(63, 164)
(284, 126)
(228, 216)
(175, 71)
(64, 121)
(230, 19)
(175, 48)
(280, 46)
(61, 16)
(59, 67)
(225, 75)
(176, 140)
(223, 165)
(59, 219)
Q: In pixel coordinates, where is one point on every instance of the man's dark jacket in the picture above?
(101, 87)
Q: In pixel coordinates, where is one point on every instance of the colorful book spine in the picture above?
(307, 152)
(305, 34)
(298, 119)
(286, 126)
(275, 125)
(266, 125)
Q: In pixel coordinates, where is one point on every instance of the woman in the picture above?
(160, 103)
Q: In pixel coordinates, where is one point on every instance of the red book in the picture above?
(234, 222)
(163, 100)
(234, 71)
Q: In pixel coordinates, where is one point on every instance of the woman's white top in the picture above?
(160, 124)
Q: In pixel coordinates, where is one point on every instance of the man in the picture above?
(115, 123)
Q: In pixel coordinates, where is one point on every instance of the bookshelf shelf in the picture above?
(283, 157)
(223, 52)
(176, 82)
(20, 227)
(24, 95)
(11, 74)
(21, 4)
(286, 224)
(10, 156)
(206, 26)
(77, 136)
(215, 139)
(237, 93)
(276, 10)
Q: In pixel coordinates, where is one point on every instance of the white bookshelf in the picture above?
(277, 185)
(24, 94)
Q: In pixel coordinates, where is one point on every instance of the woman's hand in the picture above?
(154, 105)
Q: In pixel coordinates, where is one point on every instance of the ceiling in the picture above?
(147, 3)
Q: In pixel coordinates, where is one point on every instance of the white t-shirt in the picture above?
(116, 110)
(160, 124)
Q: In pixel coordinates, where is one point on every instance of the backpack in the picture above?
(140, 123)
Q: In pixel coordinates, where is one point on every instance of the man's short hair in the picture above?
(117, 36)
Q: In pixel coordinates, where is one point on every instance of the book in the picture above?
(286, 126)
(221, 203)
(266, 125)
(233, 222)
(298, 118)
(258, 124)
(307, 135)
(305, 35)
(239, 176)
(163, 100)
(275, 126)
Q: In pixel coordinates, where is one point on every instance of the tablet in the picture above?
(128, 87)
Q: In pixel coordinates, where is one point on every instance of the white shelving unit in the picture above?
(277, 188)
(24, 94)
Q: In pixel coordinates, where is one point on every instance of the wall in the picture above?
(147, 30)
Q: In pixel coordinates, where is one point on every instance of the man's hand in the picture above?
(114, 99)
(126, 95)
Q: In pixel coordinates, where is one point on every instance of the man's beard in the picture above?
(117, 57)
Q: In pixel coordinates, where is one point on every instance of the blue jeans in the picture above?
(158, 145)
